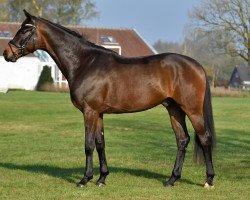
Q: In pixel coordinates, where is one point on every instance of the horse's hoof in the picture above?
(84, 181)
(100, 184)
(80, 185)
(168, 185)
(207, 186)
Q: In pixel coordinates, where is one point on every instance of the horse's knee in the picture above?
(100, 146)
(89, 147)
(99, 141)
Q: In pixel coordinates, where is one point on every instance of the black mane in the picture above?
(64, 28)
(78, 35)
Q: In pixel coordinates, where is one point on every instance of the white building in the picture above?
(19, 75)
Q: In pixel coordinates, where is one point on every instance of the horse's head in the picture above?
(24, 41)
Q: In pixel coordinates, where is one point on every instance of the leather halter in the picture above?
(22, 46)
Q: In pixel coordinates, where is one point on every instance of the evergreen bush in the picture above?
(45, 78)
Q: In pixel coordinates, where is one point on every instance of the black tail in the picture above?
(209, 126)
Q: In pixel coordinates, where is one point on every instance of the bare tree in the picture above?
(171, 47)
(72, 12)
(229, 22)
(201, 45)
(59, 11)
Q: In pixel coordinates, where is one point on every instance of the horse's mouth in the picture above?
(9, 58)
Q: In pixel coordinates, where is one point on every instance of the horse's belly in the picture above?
(134, 100)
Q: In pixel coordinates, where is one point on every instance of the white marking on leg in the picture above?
(207, 186)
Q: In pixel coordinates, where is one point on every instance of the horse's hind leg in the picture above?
(206, 144)
(177, 117)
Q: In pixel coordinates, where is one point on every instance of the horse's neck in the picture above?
(62, 47)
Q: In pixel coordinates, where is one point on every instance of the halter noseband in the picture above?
(21, 47)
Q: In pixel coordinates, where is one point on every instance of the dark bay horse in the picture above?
(101, 81)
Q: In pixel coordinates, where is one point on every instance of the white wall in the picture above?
(23, 74)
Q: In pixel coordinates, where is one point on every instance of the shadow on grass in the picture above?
(75, 174)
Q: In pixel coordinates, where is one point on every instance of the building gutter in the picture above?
(151, 47)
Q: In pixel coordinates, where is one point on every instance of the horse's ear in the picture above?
(29, 16)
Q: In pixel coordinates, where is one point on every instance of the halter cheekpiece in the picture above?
(22, 46)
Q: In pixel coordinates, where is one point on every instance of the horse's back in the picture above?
(169, 73)
(141, 83)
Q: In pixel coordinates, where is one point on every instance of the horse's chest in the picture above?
(87, 94)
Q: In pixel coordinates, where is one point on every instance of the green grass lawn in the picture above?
(42, 152)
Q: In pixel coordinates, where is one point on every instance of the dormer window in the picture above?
(108, 40)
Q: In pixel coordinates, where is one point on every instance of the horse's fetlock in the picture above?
(177, 175)
(210, 174)
(104, 173)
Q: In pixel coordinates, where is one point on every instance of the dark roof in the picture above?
(132, 44)
(11, 27)
(3, 43)
(244, 73)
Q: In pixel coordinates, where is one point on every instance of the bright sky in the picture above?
(153, 19)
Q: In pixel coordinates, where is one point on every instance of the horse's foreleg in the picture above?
(177, 117)
(91, 124)
(100, 147)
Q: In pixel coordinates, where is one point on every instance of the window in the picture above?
(108, 39)
(5, 34)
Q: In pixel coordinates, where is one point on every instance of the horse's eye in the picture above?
(25, 30)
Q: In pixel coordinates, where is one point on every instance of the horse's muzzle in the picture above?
(9, 58)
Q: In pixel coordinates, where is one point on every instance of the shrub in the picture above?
(222, 92)
(48, 87)
(45, 78)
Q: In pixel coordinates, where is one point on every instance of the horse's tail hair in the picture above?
(208, 125)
